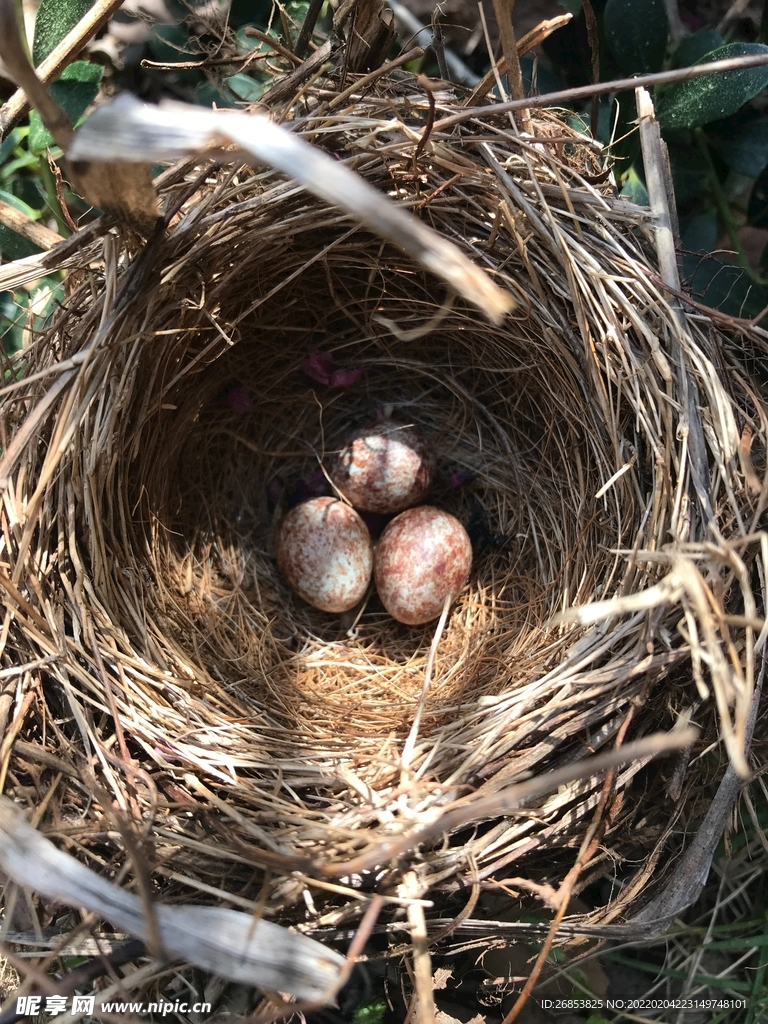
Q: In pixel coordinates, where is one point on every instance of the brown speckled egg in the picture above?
(424, 556)
(324, 551)
(385, 468)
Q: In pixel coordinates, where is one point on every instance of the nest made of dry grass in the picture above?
(155, 657)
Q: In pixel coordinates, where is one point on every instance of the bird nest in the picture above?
(603, 456)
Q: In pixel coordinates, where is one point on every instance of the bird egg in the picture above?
(423, 557)
(385, 468)
(324, 551)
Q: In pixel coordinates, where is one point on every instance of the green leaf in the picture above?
(55, 18)
(25, 160)
(14, 246)
(634, 188)
(744, 148)
(75, 91)
(699, 233)
(30, 191)
(636, 32)
(694, 47)
(690, 174)
(9, 143)
(20, 205)
(701, 100)
(12, 319)
(757, 207)
(370, 1013)
(247, 88)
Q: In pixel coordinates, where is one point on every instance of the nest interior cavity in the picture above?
(178, 416)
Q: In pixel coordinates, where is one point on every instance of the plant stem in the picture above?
(53, 197)
(723, 207)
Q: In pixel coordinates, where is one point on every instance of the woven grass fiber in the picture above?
(598, 443)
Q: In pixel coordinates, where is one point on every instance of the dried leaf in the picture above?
(139, 133)
(227, 942)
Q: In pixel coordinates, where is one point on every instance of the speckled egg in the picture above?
(325, 553)
(424, 556)
(385, 468)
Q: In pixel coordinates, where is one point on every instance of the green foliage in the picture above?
(55, 18)
(698, 235)
(634, 188)
(702, 100)
(370, 1013)
(744, 147)
(636, 32)
(27, 308)
(693, 48)
(757, 208)
(77, 88)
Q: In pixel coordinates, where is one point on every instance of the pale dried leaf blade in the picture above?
(226, 942)
(129, 130)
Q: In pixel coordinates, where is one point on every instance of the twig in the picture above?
(659, 188)
(583, 92)
(438, 45)
(372, 76)
(228, 942)
(14, 54)
(594, 46)
(256, 33)
(589, 847)
(422, 964)
(58, 59)
(494, 73)
(422, 34)
(287, 86)
(734, 10)
(36, 233)
(691, 873)
(271, 1014)
(308, 26)
(425, 83)
(527, 43)
(503, 10)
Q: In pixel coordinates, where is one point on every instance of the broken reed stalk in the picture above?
(503, 10)
(528, 42)
(658, 190)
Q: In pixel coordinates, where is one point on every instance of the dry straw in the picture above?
(166, 697)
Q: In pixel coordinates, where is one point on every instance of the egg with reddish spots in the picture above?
(423, 557)
(325, 553)
(386, 468)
